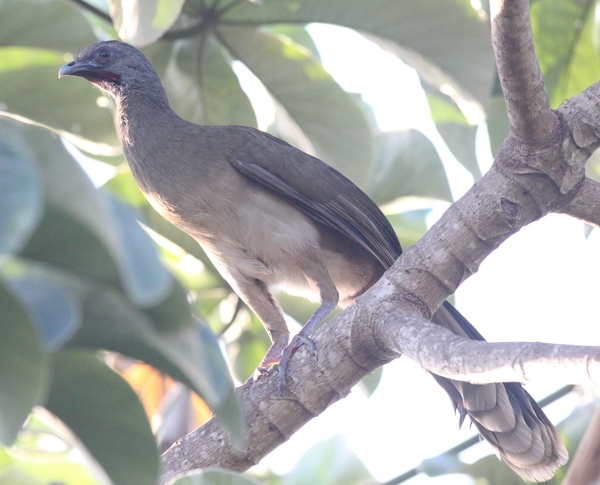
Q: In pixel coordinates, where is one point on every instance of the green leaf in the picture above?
(21, 201)
(213, 477)
(46, 24)
(200, 82)
(338, 129)
(56, 312)
(106, 415)
(497, 123)
(445, 40)
(330, 461)
(148, 281)
(407, 164)
(566, 46)
(82, 230)
(190, 353)
(23, 365)
(460, 139)
(143, 23)
(29, 87)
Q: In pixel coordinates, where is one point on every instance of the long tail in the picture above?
(507, 417)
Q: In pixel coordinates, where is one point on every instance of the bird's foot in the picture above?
(290, 350)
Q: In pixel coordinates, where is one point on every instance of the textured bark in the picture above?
(540, 169)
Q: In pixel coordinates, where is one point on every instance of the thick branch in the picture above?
(443, 353)
(586, 204)
(522, 82)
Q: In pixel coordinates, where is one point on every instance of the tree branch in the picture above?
(521, 79)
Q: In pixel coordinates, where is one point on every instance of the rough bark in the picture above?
(539, 169)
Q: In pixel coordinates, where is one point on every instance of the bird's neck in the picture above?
(141, 111)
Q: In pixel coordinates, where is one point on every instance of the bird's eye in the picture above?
(105, 53)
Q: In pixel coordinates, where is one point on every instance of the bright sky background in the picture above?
(542, 284)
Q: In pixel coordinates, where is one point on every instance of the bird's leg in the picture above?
(257, 296)
(329, 301)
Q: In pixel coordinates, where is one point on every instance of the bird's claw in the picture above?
(290, 350)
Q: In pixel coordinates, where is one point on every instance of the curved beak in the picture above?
(77, 68)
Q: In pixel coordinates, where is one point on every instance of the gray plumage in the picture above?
(271, 218)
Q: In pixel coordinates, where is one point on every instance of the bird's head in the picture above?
(110, 65)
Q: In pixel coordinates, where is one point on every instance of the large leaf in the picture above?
(407, 164)
(460, 139)
(106, 415)
(200, 82)
(82, 231)
(56, 312)
(29, 86)
(338, 129)
(142, 22)
(23, 365)
(190, 354)
(21, 201)
(330, 461)
(48, 24)
(566, 46)
(445, 40)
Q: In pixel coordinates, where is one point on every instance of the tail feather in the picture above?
(506, 416)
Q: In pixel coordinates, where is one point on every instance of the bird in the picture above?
(271, 217)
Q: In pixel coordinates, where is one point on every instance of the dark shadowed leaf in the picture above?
(105, 413)
(497, 122)
(23, 365)
(190, 353)
(326, 114)
(407, 164)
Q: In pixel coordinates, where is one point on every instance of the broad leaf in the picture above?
(29, 86)
(330, 461)
(21, 200)
(445, 40)
(82, 231)
(56, 312)
(142, 22)
(460, 139)
(338, 129)
(23, 365)
(48, 24)
(190, 354)
(200, 82)
(106, 415)
(407, 164)
(566, 46)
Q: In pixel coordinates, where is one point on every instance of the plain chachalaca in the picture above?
(271, 217)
